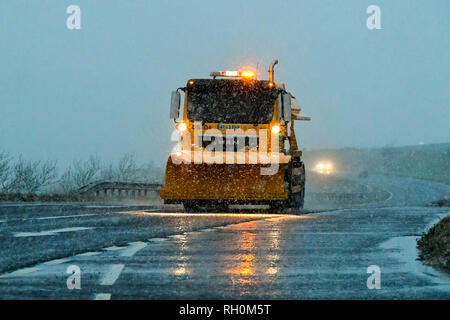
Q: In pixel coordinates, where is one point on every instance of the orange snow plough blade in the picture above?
(222, 182)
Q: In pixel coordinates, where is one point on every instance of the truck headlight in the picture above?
(181, 126)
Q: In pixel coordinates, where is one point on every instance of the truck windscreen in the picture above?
(230, 101)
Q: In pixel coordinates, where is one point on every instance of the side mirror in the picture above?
(287, 107)
(175, 105)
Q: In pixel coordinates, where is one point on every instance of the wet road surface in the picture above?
(154, 252)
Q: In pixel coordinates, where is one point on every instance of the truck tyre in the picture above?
(190, 206)
(277, 206)
(296, 200)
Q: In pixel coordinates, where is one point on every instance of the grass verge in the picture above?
(440, 203)
(427, 162)
(434, 245)
(31, 197)
(343, 190)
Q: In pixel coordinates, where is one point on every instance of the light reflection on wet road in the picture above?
(125, 253)
(322, 255)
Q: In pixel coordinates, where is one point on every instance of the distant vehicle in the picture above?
(233, 131)
(324, 168)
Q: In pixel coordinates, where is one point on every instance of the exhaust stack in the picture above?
(271, 70)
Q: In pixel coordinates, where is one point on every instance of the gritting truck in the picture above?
(236, 144)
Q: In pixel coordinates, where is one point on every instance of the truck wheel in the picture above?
(297, 199)
(301, 201)
(190, 206)
(277, 206)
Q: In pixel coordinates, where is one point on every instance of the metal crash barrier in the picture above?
(114, 189)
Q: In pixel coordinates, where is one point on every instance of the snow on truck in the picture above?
(236, 144)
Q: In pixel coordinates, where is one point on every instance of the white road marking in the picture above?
(112, 274)
(103, 207)
(88, 254)
(103, 296)
(56, 217)
(209, 215)
(19, 272)
(178, 236)
(57, 261)
(65, 217)
(28, 205)
(113, 248)
(390, 195)
(133, 248)
(49, 232)
(157, 239)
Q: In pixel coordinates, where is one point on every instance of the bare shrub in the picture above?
(127, 168)
(31, 176)
(5, 171)
(108, 173)
(79, 174)
(148, 173)
(125, 171)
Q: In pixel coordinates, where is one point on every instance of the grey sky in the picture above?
(105, 89)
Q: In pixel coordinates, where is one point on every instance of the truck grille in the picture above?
(230, 143)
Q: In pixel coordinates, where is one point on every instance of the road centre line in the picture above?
(112, 274)
(57, 261)
(103, 296)
(49, 232)
(133, 248)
